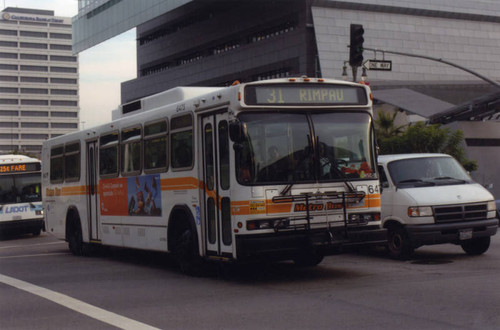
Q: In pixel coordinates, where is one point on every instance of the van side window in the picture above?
(155, 146)
(131, 150)
(181, 142)
(108, 155)
(383, 177)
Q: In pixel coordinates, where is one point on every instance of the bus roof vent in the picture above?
(131, 107)
(171, 96)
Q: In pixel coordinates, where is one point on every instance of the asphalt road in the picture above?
(43, 286)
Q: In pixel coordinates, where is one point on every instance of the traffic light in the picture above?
(356, 46)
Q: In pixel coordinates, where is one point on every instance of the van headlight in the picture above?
(492, 206)
(420, 211)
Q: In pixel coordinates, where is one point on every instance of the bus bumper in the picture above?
(286, 245)
(22, 226)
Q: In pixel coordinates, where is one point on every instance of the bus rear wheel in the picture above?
(75, 239)
(186, 254)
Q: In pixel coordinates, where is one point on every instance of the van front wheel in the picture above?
(476, 246)
(399, 244)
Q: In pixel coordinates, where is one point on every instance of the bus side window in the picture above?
(131, 150)
(108, 155)
(181, 140)
(56, 164)
(72, 162)
(155, 146)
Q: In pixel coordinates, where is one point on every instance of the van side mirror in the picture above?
(236, 131)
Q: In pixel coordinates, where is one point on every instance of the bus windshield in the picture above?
(278, 147)
(20, 188)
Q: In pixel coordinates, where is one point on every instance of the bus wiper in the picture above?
(346, 180)
(410, 180)
(286, 189)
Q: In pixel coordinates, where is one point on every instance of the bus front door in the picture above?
(217, 208)
(92, 191)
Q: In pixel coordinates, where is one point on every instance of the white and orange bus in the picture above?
(20, 195)
(279, 169)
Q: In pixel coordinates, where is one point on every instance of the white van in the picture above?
(430, 199)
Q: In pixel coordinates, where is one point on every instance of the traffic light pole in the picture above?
(492, 82)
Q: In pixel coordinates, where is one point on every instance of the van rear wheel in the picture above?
(399, 244)
(476, 246)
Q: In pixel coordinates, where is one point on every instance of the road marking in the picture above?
(76, 305)
(34, 255)
(21, 246)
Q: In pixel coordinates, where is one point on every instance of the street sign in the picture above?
(379, 65)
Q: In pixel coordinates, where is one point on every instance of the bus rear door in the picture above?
(92, 191)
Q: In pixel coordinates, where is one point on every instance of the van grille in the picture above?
(465, 212)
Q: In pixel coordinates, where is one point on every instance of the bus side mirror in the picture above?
(236, 131)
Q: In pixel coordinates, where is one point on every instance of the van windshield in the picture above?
(427, 171)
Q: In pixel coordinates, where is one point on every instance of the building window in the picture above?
(8, 32)
(34, 91)
(64, 125)
(9, 101)
(33, 34)
(34, 125)
(64, 103)
(8, 78)
(62, 69)
(63, 92)
(33, 45)
(8, 43)
(62, 81)
(61, 36)
(5, 136)
(35, 57)
(63, 58)
(60, 47)
(37, 68)
(8, 55)
(63, 114)
(34, 79)
(34, 113)
(11, 113)
(35, 136)
(9, 124)
(34, 102)
(8, 67)
(10, 90)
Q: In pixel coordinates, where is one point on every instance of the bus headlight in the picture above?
(39, 212)
(420, 211)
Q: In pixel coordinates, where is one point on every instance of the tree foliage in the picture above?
(420, 138)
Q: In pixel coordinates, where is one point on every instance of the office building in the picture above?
(213, 43)
(38, 79)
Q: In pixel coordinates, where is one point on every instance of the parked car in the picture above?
(430, 199)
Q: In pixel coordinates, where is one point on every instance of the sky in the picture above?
(102, 67)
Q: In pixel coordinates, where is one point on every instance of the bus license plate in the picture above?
(465, 234)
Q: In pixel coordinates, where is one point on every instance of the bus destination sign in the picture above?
(286, 94)
(19, 168)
